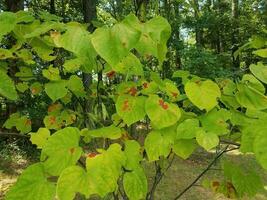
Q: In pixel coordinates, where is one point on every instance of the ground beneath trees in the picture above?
(181, 174)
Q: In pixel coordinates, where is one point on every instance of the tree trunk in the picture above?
(52, 7)
(176, 33)
(142, 9)
(167, 9)
(235, 33)
(89, 14)
(119, 9)
(198, 28)
(14, 5)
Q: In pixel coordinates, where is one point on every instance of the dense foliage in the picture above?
(102, 104)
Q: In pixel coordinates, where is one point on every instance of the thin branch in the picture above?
(167, 168)
(81, 161)
(119, 123)
(121, 189)
(229, 142)
(5, 134)
(204, 172)
(232, 149)
(115, 196)
(155, 182)
(159, 175)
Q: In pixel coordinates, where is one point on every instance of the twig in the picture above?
(121, 189)
(159, 175)
(155, 182)
(232, 149)
(119, 123)
(4, 134)
(202, 173)
(82, 162)
(167, 168)
(229, 142)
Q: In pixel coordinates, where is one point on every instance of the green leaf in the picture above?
(75, 84)
(184, 147)
(260, 148)
(215, 121)
(230, 101)
(32, 185)
(56, 89)
(170, 89)
(155, 34)
(130, 108)
(203, 94)
(126, 87)
(22, 87)
(23, 124)
(250, 127)
(113, 44)
(53, 121)
(251, 81)
(77, 40)
(11, 121)
(133, 154)
(130, 65)
(111, 132)
(188, 129)
(25, 73)
(26, 56)
(228, 86)
(181, 74)
(261, 52)
(5, 53)
(7, 23)
(104, 170)
(46, 16)
(161, 114)
(72, 180)
(20, 30)
(246, 182)
(7, 88)
(51, 73)
(157, 144)
(208, 140)
(73, 65)
(257, 41)
(149, 87)
(251, 98)
(40, 137)
(24, 16)
(247, 139)
(42, 48)
(86, 136)
(61, 150)
(135, 184)
(44, 28)
(260, 71)
(36, 88)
